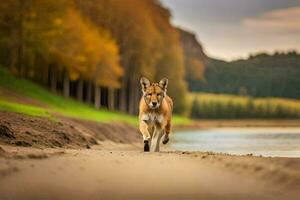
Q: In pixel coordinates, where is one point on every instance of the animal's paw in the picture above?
(146, 146)
(165, 139)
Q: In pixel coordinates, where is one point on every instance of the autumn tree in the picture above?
(87, 52)
(149, 45)
(171, 63)
(12, 17)
(136, 37)
(28, 27)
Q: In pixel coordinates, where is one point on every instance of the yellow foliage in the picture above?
(57, 21)
(88, 51)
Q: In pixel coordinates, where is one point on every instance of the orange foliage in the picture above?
(88, 51)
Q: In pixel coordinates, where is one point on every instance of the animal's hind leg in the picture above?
(167, 132)
(156, 137)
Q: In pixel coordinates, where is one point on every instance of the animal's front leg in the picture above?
(156, 137)
(146, 135)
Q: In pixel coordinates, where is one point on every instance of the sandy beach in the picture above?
(132, 174)
(103, 161)
(129, 174)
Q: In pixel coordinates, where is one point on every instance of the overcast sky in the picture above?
(230, 29)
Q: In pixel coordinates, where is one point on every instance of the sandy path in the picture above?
(98, 174)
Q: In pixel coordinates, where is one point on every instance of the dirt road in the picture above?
(102, 174)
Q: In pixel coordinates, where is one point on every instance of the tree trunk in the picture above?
(137, 99)
(123, 95)
(53, 80)
(97, 102)
(20, 38)
(89, 92)
(13, 62)
(66, 84)
(79, 92)
(111, 99)
(132, 96)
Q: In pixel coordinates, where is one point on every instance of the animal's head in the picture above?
(154, 93)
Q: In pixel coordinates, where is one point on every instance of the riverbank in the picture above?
(200, 124)
(70, 158)
(62, 132)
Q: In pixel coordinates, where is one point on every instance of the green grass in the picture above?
(206, 105)
(60, 105)
(25, 109)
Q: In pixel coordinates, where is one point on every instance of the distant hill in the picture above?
(195, 60)
(260, 75)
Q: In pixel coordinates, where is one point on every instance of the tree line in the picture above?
(94, 50)
(261, 75)
(220, 106)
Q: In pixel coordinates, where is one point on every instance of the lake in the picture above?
(283, 142)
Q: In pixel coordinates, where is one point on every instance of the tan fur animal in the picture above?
(155, 113)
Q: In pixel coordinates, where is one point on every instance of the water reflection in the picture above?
(283, 142)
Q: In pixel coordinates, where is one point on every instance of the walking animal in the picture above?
(155, 114)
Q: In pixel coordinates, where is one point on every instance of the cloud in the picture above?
(283, 20)
(231, 33)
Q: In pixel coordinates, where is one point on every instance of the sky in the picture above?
(232, 29)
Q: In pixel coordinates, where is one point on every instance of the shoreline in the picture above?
(220, 123)
(77, 159)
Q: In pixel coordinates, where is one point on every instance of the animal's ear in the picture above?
(163, 83)
(144, 83)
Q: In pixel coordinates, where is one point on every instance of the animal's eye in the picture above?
(149, 94)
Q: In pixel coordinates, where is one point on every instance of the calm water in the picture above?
(284, 142)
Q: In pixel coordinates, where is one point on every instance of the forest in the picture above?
(94, 51)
